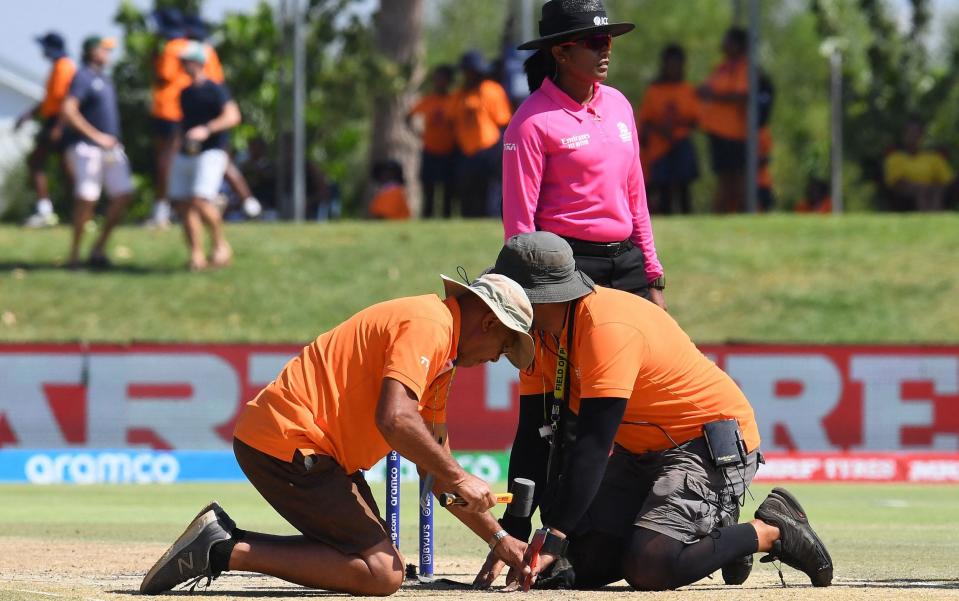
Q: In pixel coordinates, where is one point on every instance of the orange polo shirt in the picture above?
(324, 400)
(172, 78)
(212, 68)
(478, 115)
(58, 84)
(672, 103)
(764, 178)
(438, 136)
(390, 203)
(726, 119)
(626, 347)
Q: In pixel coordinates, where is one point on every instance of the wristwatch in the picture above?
(496, 538)
(659, 283)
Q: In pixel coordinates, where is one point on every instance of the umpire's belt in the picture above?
(585, 248)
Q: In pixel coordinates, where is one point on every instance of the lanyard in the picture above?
(561, 392)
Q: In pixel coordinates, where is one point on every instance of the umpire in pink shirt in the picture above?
(571, 153)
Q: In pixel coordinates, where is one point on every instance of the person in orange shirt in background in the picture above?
(670, 109)
(723, 117)
(178, 31)
(817, 198)
(764, 177)
(389, 199)
(436, 161)
(480, 111)
(378, 381)
(49, 139)
(660, 510)
(169, 81)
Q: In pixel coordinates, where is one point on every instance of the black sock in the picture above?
(221, 551)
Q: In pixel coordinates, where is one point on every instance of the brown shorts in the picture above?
(676, 492)
(317, 497)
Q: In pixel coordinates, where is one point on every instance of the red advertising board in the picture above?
(809, 399)
(930, 468)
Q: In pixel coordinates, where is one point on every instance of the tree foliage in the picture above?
(889, 76)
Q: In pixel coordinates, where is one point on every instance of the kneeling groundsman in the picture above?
(661, 510)
(378, 381)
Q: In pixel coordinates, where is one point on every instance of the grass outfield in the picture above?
(778, 278)
(887, 541)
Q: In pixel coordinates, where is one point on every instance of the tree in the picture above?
(889, 77)
(398, 27)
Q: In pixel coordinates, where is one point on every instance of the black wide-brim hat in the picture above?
(566, 19)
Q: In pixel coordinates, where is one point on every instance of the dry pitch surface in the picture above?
(31, 569)
(96, 542)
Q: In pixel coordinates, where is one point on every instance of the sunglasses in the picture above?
(600, 41)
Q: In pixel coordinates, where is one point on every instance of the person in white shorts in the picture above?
(94, 152)
(198, 167)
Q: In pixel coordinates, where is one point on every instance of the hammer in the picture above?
(520, 500)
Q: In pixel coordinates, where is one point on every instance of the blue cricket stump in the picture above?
(393, 496)
(426, 531)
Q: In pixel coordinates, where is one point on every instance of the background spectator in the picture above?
(169, 81)
(198, 30)
(817, 198)
(764, 177)
(916, 177)
(389, 195)
(50, 137)
(197, 172)
(723, 118)
(479, 111)
(94, 151)
(669, 111)
(436, 162)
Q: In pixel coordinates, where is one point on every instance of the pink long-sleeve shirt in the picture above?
(574, 170)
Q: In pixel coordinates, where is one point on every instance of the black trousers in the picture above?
(625, 271)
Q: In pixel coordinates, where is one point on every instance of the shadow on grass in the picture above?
(127, 269)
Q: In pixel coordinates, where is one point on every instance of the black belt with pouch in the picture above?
(725, 443)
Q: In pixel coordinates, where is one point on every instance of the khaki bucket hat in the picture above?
(510, 305)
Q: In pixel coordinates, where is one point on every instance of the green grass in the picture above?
(778, 278)
(874, 532)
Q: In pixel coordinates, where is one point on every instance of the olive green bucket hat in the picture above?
(542, 263)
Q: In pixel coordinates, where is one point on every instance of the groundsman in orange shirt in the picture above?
(378, 381)
(647, 485)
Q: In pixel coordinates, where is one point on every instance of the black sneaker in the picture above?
(737, 571)
(798, 545)
(188, 559)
